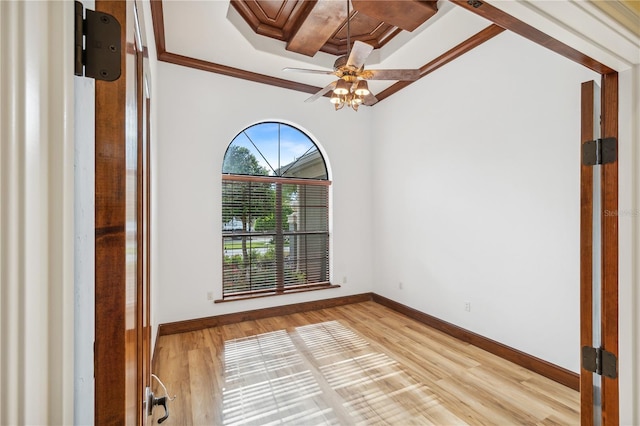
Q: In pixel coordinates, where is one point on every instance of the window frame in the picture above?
(280, 286)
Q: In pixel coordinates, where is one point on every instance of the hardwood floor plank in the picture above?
(352, 364)
(461, 397)
(546, 387)
(201, 378)
(172, 367)
(509, 392)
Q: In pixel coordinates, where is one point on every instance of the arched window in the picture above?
(275, 213)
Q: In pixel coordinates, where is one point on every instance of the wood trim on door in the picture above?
(586, 250)
(147, 283)
(141, 381)
(122, 330)
(610, 390)
(609, 250)
(110, 237)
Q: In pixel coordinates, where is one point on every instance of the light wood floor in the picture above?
(354, 364)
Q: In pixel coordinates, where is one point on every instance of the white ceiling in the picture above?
(216, 33)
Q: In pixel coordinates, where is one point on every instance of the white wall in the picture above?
(199, 113)
(629, 246)
(477, 196)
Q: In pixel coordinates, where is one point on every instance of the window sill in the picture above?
(274, 293)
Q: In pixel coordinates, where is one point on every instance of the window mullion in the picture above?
(279, 241)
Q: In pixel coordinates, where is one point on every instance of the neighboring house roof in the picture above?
(310, 165)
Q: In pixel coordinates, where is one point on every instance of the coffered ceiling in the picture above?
(308, 27)
(256, 39)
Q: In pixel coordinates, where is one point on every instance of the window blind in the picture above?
(275, 234)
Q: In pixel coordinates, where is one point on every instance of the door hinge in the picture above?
(599, 361)
(600, 151)
(97, 44)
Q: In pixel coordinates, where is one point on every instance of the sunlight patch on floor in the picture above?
(321, 374)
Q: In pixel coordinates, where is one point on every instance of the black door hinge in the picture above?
(97, 44)
(600, 151)
(599, 361)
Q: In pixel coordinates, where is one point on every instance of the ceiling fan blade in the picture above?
(322, 92)
(309, 71)
(370, 100)
(359, 53)
(404, 75)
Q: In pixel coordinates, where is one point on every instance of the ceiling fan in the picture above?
(351, 88)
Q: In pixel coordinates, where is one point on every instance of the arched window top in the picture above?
(274, 149)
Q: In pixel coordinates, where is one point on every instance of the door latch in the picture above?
(152, 401)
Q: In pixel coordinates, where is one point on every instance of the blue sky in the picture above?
(293, 144)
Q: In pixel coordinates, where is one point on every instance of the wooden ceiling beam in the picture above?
(529, 32)
(321, 22)
(459, 50)
(407, 14)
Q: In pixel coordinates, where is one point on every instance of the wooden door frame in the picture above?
(140, 237)
(609, 297)
(587, 93)
(609, 249)
(143, 289)
(110, 236)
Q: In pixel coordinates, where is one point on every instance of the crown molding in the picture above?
(625, 13)
(581, 27)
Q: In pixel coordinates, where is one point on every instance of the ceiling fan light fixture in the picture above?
(362, 88)
(342, 87)
(351, 88)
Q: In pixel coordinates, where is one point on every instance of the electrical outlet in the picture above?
(467, 306)
(344, 279)
(400, 285)
(209, 295)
